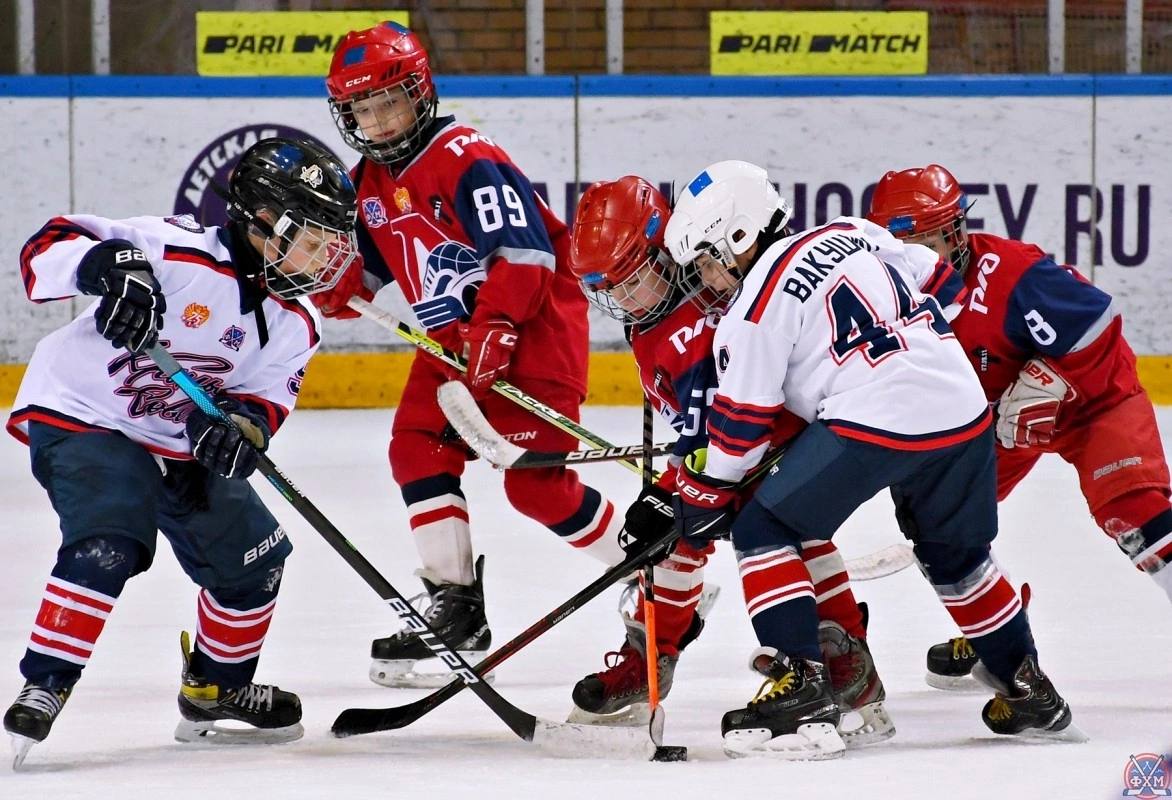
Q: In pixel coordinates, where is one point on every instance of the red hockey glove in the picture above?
(488, 347)
(705, 507)
(332, 302)
(1029, 407)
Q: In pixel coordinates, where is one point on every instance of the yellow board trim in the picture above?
(375, 380)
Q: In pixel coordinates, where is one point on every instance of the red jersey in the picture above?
(462, 231)
(1020, 305)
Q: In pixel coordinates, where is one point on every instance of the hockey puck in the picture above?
(670, 753)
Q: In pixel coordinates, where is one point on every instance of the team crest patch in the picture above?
(195, 315)
(403, 199)
(1147, 776)
(233, 337)
(186, 222)
(374, 213)
(311, 175)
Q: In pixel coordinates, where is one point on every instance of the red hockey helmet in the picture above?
(617, 252)
(368, 70)
(925, 206)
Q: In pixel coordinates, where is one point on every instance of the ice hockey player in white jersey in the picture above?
(123, 454)
(831, 324)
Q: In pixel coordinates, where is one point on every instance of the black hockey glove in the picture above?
(131, 311)
(228, 450)
(705, 507)
(649, 518)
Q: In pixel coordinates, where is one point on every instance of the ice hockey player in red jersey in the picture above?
(1048, 348)
(124, 454)
(619, 256)
(445, 214)
(831, 324)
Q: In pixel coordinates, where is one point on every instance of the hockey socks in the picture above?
(80, 594)
(230, 631)
(779, 597)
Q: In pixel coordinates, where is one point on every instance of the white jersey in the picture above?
(832, 324)
(77, 380)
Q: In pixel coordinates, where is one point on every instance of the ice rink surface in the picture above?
(1104, 632)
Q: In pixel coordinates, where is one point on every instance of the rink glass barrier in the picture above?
(1075, 163)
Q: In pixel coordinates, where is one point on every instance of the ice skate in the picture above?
(856, 686)
(456, 613)
(261, 714)
(1029, 707)
(30, 718)
(793, 717)
(618, 694)
(950, 666)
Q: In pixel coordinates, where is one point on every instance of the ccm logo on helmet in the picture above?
(357, 81)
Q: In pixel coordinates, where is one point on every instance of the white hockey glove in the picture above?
(1028, 409)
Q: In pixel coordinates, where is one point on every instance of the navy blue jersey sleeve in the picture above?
(372, 260)
(694, 387)
(497, 208)
(1053, 312)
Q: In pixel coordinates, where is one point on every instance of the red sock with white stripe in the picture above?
(229, 634)
(779, 596)
(988, 611)
(78, 598)
(832, 587)
(679, 582)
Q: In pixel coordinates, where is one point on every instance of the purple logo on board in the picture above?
(216, 162)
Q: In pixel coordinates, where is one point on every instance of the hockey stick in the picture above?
(526, 401)
(650, 643)
(525, 725)
(353, 721)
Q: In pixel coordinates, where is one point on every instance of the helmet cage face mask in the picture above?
(388, 145)
(950, 241)
(644, 296)
(303, 256)
(719, 264)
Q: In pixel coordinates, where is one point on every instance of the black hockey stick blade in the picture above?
(356, 721)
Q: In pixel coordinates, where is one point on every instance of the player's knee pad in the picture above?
(101, 563)
(755, 529)
(550, 496)
(415, 455)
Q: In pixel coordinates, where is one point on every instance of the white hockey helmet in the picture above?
(719, 215)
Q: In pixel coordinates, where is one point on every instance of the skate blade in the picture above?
(954, 683)
(20, 747)
(214, 733)
(636, 714)
(566, 740)
(866, 725)
(1071, 734)
(401, 674)
(812, 742)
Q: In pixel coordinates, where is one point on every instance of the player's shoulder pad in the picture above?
(1013, 257)
(465, 144)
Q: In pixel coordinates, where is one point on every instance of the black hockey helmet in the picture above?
(305, 188)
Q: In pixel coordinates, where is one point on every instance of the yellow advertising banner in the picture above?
(276, 42)
(819, 42)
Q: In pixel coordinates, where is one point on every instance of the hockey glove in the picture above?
(488, 347)
(649, 518)
(332, 302)
(130, 313)
(228, 450)
(1028, 408)
(704, 506)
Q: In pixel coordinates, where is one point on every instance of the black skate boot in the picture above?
(456, 613)
(31, 716)
(856, 686)
(950, 666)
(794, 715)
(1029, 707)
(272, 715)
(618, 694)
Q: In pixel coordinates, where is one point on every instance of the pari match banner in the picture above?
(818, 42)
(276, 42)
